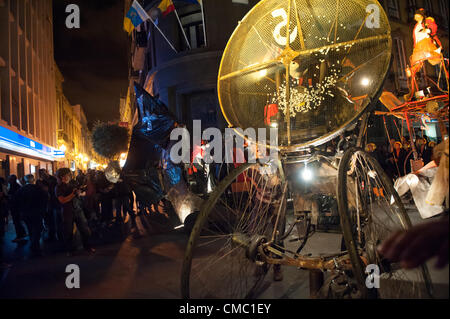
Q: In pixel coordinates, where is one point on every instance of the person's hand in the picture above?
(415, 246)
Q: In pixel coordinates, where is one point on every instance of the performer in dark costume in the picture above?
(149, 170)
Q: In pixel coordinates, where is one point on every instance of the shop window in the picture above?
(393, 9)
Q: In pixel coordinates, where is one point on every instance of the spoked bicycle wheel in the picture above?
(371, 210)
(221, 259)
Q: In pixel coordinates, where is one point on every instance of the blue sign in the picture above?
(13, 141)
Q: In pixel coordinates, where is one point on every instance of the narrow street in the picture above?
(145, 263)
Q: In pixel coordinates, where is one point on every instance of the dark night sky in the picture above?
(93, 59)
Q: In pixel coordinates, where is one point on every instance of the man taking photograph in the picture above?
(68, 195)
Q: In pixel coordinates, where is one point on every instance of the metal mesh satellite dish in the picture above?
(314, 85)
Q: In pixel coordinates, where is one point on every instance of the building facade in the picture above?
(186, 80)
(74, 137)
(28, 120)
(126, 112)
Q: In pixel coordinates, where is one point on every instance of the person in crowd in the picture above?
(382, 154)
(391, 145)
(397, 160)
(3, 186)
(81, 177)
(423, 151)
(122, 201)
(105, 189)
(406, 144)
(48, 184)
(32, 203)
(3, 207)
(69, 197)
(13, 188)
(90, 198)
(371, 148)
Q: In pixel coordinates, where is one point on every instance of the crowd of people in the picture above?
(395, 158)
(47, 207)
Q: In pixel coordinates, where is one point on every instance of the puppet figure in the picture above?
(427, 46)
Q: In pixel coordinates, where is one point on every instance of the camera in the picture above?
(82, 188)
(77, 186)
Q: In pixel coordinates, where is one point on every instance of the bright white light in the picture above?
(123, 159)
(179, 226)
(365, 82)
(184, 211)
(307, 174)
(275, 125)
(262, 73)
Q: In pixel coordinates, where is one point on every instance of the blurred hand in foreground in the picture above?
(415, 246)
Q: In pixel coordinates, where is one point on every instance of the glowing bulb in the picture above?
(307, 174)
(365, 82)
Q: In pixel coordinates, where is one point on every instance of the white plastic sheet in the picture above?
(419, 187)
(439, 190)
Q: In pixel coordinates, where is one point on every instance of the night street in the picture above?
(147, 267)
(225, 150)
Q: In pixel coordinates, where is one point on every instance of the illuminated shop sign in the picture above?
(13, 141)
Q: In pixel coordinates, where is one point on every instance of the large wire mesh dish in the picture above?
(313, 85)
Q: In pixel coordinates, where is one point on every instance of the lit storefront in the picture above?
(21, 155)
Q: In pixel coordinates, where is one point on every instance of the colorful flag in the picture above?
(135, 16)
(166, 7)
